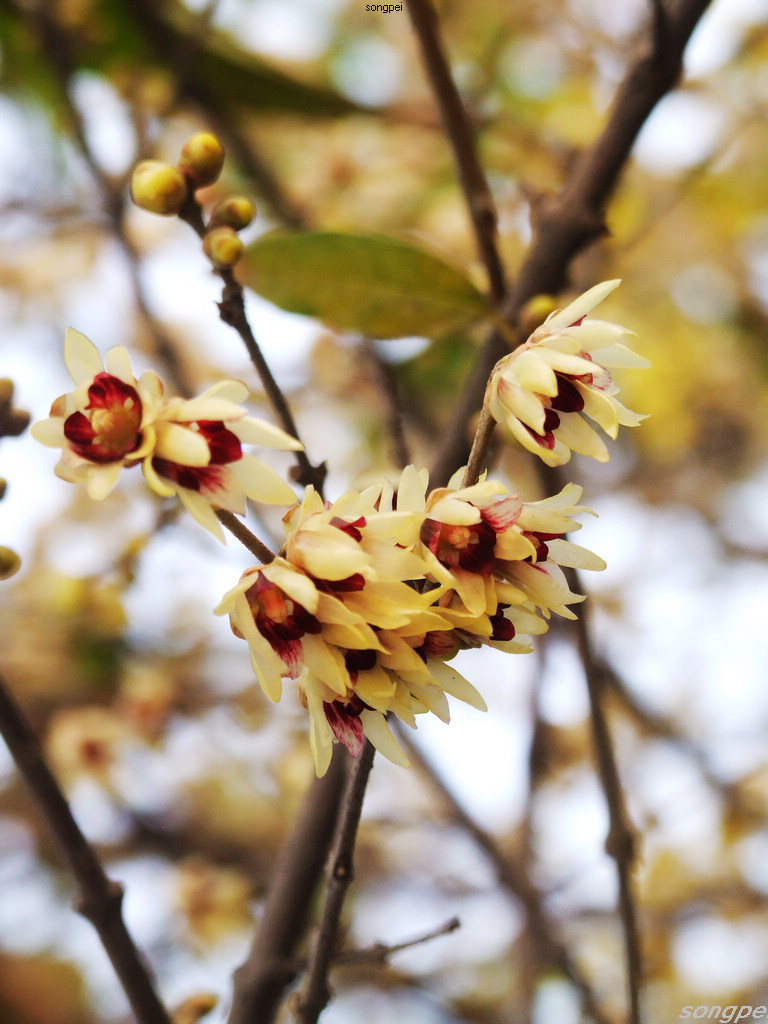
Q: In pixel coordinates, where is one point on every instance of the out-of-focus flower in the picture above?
(106, 423)
(86, 741)
(214, 900)
(546, 389)
(188, 447)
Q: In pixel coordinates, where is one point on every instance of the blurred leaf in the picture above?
(117, 35)
(430, 379)
(371, 284)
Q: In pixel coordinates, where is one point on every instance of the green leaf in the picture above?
(371, 284)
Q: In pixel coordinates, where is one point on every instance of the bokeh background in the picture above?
(179, 771)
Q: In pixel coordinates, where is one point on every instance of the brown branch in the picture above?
(249, 540)
(259, 983)
(566, 223)
(100, 899)
(391, 393)
(477, 456)
(315, 993)
(458, 129)
(233, 313)
(380, 952)
(620, 843)
(512, 875)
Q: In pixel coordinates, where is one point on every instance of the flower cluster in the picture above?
(373, 594)
(369, 597)
(544, 389)
(188, 447)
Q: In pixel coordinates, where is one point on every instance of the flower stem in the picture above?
(479, 450)
(249, 540)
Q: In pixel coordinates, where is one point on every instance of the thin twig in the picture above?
(477, 456)
(620, 844)
(100, 899)
(249, 540)
(380, 952)
(511, 874)
(314, 995)
(233, 313)
(459, 131)
(566, 223)
(395, 417)
(259, 983)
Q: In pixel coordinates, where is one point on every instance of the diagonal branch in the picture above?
(460, 134)
(567, 222)
(271, 964)
(100, 899)
(233, 313)
(620, 843)
(315, 993)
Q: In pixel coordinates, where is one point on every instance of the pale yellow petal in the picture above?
(266, 435)
(581, 306)
(377, 731)
(178, 443)
(49, 432)
(456, 685)
(102, 480)
(200, 510)
(118, 363)
(81, 356)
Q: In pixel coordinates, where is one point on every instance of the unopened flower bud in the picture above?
(201, 160)
(158, 187)
(10, 563)
(222, 247)
(235, 212)
(534, 313)
(6, 393)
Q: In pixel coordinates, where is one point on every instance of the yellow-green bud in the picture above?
(158, 187)
(235, 211)
(222, 247)
(535, 312)
(10, 563)
(201, 160)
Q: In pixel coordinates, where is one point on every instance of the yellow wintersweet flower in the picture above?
(107, 422)
(199, 455)
(546, 389)
(188, 447)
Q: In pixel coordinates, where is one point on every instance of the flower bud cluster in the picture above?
(163, 188)
(191, 448)
(13, 422)
(372, 595)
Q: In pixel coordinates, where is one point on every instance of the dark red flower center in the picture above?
(280, 620)
(110, 428)
(468, 547)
